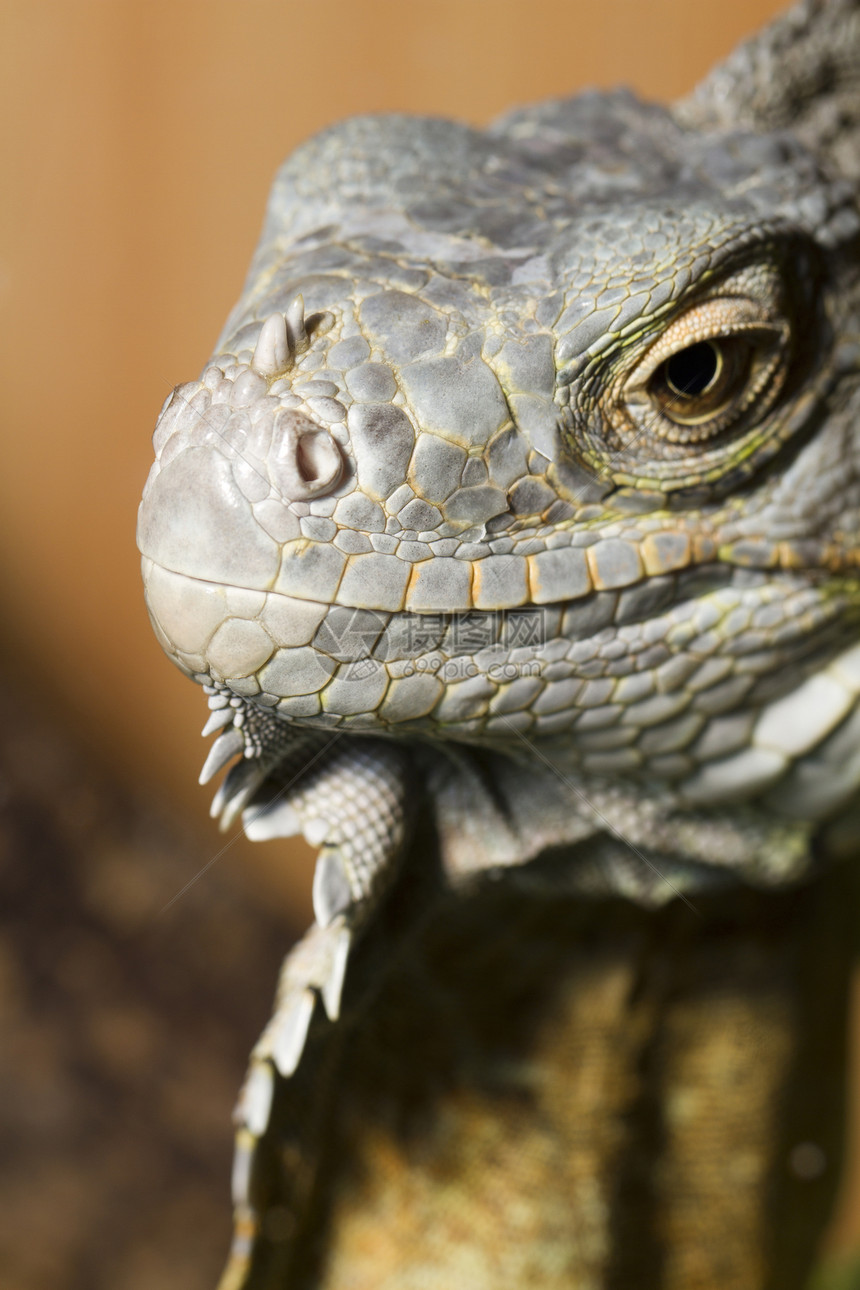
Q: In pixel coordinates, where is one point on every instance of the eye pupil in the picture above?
(691, 371)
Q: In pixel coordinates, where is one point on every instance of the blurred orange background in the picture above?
(138, 145)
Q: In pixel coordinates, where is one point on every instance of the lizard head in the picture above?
(548, 431)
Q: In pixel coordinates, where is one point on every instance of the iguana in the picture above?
(512, 533)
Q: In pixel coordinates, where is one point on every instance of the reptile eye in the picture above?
(715, 368)
(696, 383)
(694, 370)
(694, 398)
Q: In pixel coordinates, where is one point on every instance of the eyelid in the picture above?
(710, 320)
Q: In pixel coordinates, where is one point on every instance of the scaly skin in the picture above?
(448, 519)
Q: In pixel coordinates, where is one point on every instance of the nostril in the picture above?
(306, 461)
(318, 459)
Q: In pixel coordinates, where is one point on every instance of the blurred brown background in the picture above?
(138, 144)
